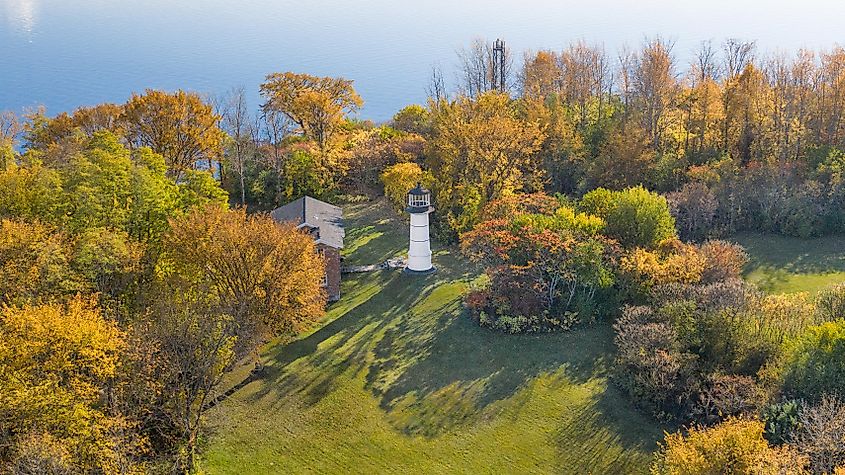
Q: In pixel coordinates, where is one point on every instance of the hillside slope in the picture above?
(397, 380)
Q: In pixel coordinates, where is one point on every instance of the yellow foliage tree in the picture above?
(399, 179)
(481, 150)
(316, 104)
(56, 362)
(35, 262)
(735, 446)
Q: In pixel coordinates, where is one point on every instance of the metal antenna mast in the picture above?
(499, 65)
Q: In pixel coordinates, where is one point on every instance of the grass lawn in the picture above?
(786, 264)
(397, 380)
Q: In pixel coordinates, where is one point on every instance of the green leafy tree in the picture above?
(635, 217)
(815, 362)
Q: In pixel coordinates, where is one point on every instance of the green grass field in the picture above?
(398, 380)
(785, 264)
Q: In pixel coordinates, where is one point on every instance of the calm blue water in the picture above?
(66, 53)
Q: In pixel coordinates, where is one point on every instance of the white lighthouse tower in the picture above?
(419, 249)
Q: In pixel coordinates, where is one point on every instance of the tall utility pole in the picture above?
(499, 65)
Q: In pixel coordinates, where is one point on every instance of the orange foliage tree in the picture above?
(180, 126)
(266, 275)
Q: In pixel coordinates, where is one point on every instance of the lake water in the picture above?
(66, 53)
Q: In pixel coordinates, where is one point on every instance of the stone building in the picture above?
(324, 222)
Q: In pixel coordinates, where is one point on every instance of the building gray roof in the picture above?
(313, 213)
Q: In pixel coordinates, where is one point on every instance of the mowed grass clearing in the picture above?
(398, 380)
(786, 264)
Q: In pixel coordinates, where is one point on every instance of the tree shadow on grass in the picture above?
(605, 433)
(309, 367)
(432, 368)
(460, 369)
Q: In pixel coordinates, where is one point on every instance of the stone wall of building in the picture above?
(332, 257)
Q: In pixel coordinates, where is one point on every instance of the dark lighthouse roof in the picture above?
(419, 190)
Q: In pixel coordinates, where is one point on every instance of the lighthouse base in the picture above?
(420, 272)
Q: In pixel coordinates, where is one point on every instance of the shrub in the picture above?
(734, 446)
(821, 435)
(801, 214)
(694, 209)
(781, 420)
(651, 367)
(510, 304)
(717, 336)
(830, 303)
(815, 362)
(727, 396)
(723, 261)
(673, 262)
(635, 217)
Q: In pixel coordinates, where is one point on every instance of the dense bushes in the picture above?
(792, 437)
(635, 217)
(779, 198)
(721, 340)
(545, 270)
(815, 362)
(734, 446)
(547, 262)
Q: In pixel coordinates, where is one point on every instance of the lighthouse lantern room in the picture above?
(419, 249)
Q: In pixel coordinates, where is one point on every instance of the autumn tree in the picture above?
(10, 128)
(56, 362)
(36, 263)
(540, 74)
(195, 346)
(179, 126)
(626, 159)
(735, 446)
(102, 117)
(481, 149)
(317, 105)
(414, 119)
(656, 88)
(399, 179)
(585, 79)
(268, 276)
(372, 151)
(31, 190)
